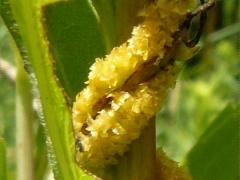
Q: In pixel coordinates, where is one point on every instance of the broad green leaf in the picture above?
(216, 155)
(73, 31)
(3, 164)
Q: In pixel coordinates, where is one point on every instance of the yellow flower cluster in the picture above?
(126, 88)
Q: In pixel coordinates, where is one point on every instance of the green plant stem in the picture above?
(3, 163)
(140, 161)
(40, 156)
(24, 119)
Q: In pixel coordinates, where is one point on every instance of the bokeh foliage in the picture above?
(208, 83)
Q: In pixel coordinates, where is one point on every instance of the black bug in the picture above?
(78, 145)
(202, 21)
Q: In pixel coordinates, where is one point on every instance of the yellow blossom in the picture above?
(127, 87)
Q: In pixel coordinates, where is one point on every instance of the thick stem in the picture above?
(24, 119)
(3, 160)
(140, 161)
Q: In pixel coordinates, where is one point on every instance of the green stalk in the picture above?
(140, 161)
(24, 120)
(40, 156)
(3, 160)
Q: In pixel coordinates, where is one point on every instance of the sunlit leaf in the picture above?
(73, 31)
(216, 155)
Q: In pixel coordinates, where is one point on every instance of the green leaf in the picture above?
(216, 155)
(74, 33)
(3, 164)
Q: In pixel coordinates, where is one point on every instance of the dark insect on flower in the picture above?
(78, 145)
(203, 17)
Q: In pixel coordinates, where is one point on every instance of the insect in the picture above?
(203, 16)
(78, 145)
(127, 87)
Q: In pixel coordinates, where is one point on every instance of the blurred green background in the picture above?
(7, 101)
(208, 83)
